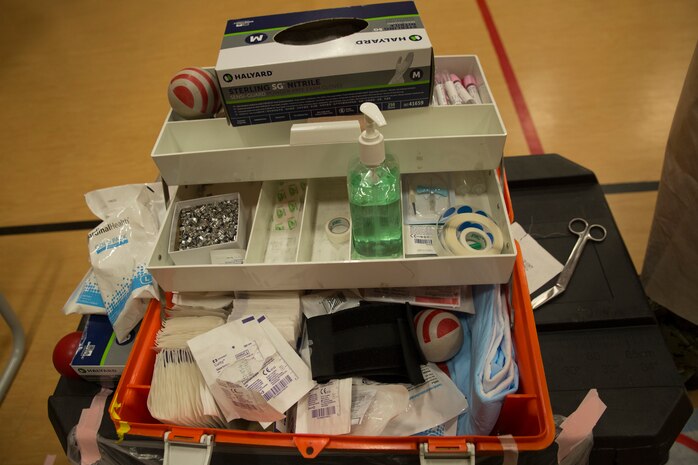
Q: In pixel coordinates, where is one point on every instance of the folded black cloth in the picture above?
(375, 340)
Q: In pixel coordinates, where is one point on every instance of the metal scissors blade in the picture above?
(589, 232)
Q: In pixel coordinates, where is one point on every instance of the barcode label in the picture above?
(422, 241)
(278, 387)
(323, 412)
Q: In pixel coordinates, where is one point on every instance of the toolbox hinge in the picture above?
(446, 456)
(187, 452)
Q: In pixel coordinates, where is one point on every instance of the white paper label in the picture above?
(418, 239)
(361, 399)
(323, 401)
(540, 266)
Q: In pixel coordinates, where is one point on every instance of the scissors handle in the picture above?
(594, 232)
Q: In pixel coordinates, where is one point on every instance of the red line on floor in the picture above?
(688, 442)
(529, 129)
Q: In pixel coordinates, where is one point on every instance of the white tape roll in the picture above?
(461, 232)
(337, 230)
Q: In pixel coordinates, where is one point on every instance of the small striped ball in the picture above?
(193, 93)
(439, 334)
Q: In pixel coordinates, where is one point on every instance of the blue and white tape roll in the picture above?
(463, 232)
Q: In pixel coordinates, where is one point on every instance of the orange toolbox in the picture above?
(525, 415)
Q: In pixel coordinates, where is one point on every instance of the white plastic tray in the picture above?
(433, 139)
(315, 263)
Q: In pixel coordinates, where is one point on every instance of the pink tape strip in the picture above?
(580, 424)
(88, 426)
(50, 459)
(509, 449)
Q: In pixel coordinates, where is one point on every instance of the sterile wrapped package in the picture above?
(432, 403)
(326, 409)
(178, 393)
(282, 308)
(251, 370)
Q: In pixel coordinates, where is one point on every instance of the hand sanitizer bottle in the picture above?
(374, 193)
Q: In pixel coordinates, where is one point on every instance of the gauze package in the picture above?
(86, 299)
(326, 409)
(432, 403)
(251, 370)
(120, 246)
(178, 393)
(282, 308)
(188, 304)
(375, 405)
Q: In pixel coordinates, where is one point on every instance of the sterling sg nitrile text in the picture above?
(324, 63)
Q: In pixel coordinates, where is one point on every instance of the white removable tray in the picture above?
(432, 139)
(316, 263)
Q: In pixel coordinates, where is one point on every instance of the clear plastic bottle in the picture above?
(373, 184)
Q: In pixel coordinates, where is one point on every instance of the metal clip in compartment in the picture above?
(444, 455)
(187, 451)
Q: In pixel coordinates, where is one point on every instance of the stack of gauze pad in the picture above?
(199, 304)
(282, 308)
(178, 393)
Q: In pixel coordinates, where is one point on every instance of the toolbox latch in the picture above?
(187, 452)
(446, 455)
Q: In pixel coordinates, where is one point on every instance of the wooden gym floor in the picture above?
(83, 85)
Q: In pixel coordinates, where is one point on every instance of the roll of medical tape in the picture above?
(458, 226)
(337, 230)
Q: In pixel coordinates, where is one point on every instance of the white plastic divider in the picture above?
(314, 267)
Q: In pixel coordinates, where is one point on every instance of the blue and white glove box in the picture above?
(462, 144)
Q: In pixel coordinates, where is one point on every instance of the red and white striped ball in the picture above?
(439, 334)
(193, 93)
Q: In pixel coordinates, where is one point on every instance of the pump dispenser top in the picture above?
(372, 148)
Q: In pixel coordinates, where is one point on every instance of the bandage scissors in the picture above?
(590, 232)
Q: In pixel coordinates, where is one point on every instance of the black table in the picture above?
(599, 334)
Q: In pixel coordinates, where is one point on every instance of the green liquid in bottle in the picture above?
(374, 201)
